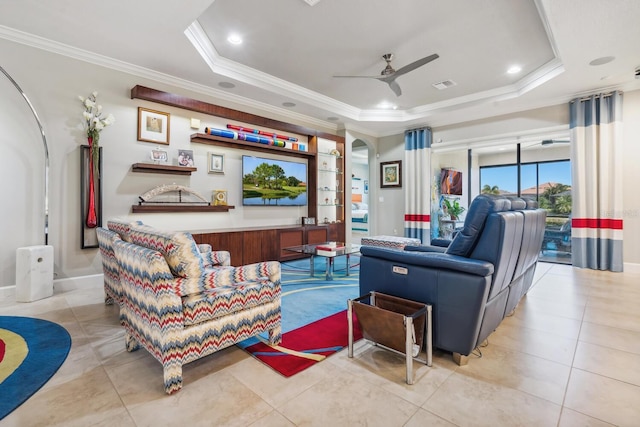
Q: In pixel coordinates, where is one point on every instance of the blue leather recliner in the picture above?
(472, 283)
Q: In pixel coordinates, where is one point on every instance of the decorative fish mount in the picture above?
(172, 194)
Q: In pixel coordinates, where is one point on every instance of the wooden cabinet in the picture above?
(251, 246)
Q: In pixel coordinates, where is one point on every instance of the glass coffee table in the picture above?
(328, 250)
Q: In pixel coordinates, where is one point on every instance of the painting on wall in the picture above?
(391, 174)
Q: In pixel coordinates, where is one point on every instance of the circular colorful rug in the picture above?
(31, 351)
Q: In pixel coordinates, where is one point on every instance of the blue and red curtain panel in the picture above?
(417, 216)
(596, 156)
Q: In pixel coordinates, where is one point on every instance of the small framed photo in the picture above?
(307, 220)
(216, 163)
(185, 158)
(391, 174)
(159, 156)
(153, 126)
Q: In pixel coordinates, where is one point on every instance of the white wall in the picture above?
(53, 83)
(390, 201)
(631, 177)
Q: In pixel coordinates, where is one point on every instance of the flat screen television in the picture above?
(269, 182)
(451, 182)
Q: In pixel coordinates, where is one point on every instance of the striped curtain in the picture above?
(417, 146)
(596, 156)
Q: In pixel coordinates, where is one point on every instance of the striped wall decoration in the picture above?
(417, 218)
(596, 156)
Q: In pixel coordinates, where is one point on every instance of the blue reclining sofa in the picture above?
(472, 283)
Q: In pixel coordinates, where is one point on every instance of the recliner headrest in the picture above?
(481, 207)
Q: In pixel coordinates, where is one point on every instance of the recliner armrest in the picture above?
(431, 260)
(426, 248)
(443, 243)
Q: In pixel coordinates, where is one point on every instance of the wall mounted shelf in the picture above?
(177, 208)
(204, 138)
(159, 168)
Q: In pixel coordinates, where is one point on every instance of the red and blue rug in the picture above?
(314, 317)
(31, 351)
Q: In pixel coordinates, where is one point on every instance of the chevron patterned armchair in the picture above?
(180, 308)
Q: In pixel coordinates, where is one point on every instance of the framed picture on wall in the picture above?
(391, 174)
(216, 163)
(153, 126)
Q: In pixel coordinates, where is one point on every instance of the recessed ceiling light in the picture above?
(288, 104)
(514, 69)
(333, 119)
(387, 106)
(603, 60)
(234, 39)
(226, 85)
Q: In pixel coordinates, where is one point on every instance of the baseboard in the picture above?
(631, 267)
(8, 293)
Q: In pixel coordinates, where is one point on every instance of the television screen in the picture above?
(268, 182)
(451, 182)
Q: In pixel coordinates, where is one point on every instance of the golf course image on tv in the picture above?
(269, 182)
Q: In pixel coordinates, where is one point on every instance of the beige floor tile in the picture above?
(615, 319)
(603, 398)
(85, 400)
(388, 370)
(426, 418)
(608, 336)
(556, 325)
(467, 401)
(535, 343)
(509, 368)
(273, 419)
(616, 364)
(570, 418)
(218, 399)
(347, 400)
(273, 387)
(549, 306)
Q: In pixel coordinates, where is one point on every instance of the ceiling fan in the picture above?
(389, 74)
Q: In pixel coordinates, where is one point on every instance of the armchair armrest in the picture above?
(215, 258)
(431, 260)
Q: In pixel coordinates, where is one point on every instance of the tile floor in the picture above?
(569, 356)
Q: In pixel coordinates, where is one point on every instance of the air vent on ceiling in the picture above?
(445, 84)
(311, 2)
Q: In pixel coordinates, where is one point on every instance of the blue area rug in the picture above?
(306, 299)
(31, 351)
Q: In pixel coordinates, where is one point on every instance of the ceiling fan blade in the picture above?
(554, 141)
(395, 87)
(361, 77)
(416, 64)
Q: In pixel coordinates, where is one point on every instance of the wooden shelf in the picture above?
(204, 138)
(175, 208)
(159, 168)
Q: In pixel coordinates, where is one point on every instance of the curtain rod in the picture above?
(600, 95)
(422, 128)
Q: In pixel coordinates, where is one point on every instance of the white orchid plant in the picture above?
(94, 121)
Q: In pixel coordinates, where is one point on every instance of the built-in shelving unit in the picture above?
(160, 168)
(178, 208)
(320, 145)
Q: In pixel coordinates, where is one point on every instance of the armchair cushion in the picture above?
(178, 248)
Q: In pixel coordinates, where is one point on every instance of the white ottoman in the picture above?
(392, 242)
